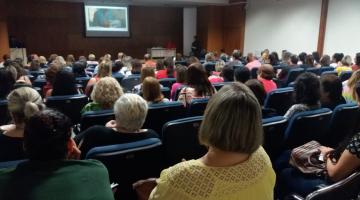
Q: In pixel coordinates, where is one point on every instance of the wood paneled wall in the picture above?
(4, 38)
(58, 27)
(221, 27)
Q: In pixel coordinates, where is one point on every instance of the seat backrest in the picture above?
(209, 67)
(197, 107)
(343, 123)
(4, 113)
(274, 130)
(314, 70)
(167, 82)
(119, 77)
(180, 140)
(166, 92)
(39, 83)
(306, 126)
(345, 75)
(329, 72)
(325, 69)
(218, 86)
(128, 83)
(10, 164)
(82, 81)
(293, 74)
(92, 118)
(348, 188)
(160, 113)
(130, 162)
(70, 105)
(181, 63)
(280, 99)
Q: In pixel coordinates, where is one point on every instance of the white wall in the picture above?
(343, 27)
(282, 24)
(189, 28)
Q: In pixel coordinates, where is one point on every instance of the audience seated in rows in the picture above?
(145, 72)
(215, 76)
(64, 84)
(198, 85)
(104, 71)
(151, 91)
(181, 72)
(331, 91)
(235, 166)
(236, 59)
(106, 91)
(51, 170)
(130, 113)
(22, 104)
(307, 94)
(252, 62)
(265, 76)
(349, 85)
(168, 71)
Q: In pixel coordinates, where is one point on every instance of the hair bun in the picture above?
(30, 109)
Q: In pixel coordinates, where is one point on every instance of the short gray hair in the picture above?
(130, 112)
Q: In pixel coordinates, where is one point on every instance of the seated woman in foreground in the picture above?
(235, 166)
(130, 112)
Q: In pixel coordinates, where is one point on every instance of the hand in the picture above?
(325, 150)
(73, 151)
(111, 124)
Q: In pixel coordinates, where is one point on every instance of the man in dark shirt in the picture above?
(196, 47)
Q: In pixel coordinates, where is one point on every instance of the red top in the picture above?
(163, 74)
(355, 67)
(269, 85)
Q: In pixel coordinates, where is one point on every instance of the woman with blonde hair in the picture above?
(105, 69)
(235, 166)
(22, 104)
(151, 90)
(349, 85)
(106, 91)
(346, 63)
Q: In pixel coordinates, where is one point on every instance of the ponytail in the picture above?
(31, 108)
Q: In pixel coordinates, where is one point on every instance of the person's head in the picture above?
(146, 72)
(60, 60)
(7, 81)
(294, 59)
(107, 57)
(120, 55)
(105, 69)
(357, 92)
(250, 57)
(47, 136)
(331, 88)
(286, 56)
(242, 74)
(307, 89)
(325, 61)
(79, 69)
(136, 66)
(70, 59)
(52, 57)
(151, 90)
(82, 59)
(357, 59)
(64, 84)
(266, 71)
(355, 77)
(346, 61)
(51, 72)
(316, 56)
(178, 57)
(147, 57)
(130, 112)
(42, 60)
(23, 103)
(219, 65)
(169, 64)
(302, 57)
(35, 65)
(210, 57)
(258, 89)
(5, 57)
(274, 58)
(337, 57)
(236, 54)
(232, 121)
(160, 65)
(197, 78)
(106, 91)
(20, 71)
(192, 60)
(117, 66)
(181, 72)
(91, 57)
(228, 73)
(309, 60)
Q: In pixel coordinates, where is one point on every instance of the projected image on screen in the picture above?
(107, 21)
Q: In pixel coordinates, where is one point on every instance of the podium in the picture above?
(158, 52)
(18, 53)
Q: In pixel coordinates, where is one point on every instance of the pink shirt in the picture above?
(269, 85)
(215, 79)
(253, 64)
(174, 87)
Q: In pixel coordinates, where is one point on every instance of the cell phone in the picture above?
(321, 157)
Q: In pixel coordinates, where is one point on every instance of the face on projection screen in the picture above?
(106, 21)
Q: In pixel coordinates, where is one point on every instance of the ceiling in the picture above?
(162, 2)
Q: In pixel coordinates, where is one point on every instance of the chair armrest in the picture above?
(294, 197)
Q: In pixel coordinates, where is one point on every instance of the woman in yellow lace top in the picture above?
(235, 166)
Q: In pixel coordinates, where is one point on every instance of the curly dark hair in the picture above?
(307, 89)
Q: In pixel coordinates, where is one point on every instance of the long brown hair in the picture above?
(197, 79)
(151, 90)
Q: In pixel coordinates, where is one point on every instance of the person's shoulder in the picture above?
(151, 133)
(182, 170)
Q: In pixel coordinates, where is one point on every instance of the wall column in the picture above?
(322, 27)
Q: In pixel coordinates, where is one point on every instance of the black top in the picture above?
(354, 145)
(332, 105)
(11, 148)
(101, 136)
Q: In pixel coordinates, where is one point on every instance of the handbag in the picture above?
(306, 159)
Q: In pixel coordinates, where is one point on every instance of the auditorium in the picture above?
(179, 100)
